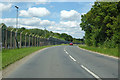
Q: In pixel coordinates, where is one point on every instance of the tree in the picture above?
(102, 24)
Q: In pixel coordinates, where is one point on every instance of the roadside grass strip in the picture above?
(106, 51)
(10, 56)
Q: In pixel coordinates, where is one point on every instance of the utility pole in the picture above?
(16, 27)
(17, 17)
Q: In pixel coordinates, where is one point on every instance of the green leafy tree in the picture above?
(102, 24)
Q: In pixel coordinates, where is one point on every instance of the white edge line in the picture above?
(91, 72)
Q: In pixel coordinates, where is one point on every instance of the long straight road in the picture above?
(67, 62)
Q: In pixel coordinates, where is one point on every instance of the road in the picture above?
(67, 62)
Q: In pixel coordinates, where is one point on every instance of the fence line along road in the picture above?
(13, 39)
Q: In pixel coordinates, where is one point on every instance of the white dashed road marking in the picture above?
(94, 75)
(72, 58)
(90, 72)
(67, 53)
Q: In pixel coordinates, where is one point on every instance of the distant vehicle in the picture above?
(71, 43)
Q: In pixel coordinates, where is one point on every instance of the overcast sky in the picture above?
(61, 17)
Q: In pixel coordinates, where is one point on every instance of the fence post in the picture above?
(29, 40)
(42, 41)
(6, 39)
(21, 39)
(45, 42)
(37, 41)
(16, 38)
(25, 39)
(11, 38)
(48, 41)
(32, 39)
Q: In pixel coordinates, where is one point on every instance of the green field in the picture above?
(108, 51)
(9, 56)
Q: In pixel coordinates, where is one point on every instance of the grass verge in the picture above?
(107, 51)
(10, 56)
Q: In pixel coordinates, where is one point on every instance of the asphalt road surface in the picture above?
(67, 62)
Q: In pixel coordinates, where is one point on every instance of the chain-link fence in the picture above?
(0, 52)
(14, 39)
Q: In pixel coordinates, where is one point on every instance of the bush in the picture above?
(109, 44)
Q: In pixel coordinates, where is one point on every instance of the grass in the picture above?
(108, 51)
(10, 56)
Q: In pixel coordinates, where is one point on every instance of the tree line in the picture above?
(44, 33)
(102, 25)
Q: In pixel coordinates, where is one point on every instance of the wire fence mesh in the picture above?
(0, 52)
(14, 39)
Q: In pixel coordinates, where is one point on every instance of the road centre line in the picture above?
(64, 49)
(72, 58)
(67, 53)
(94, 75)
(90, 72)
